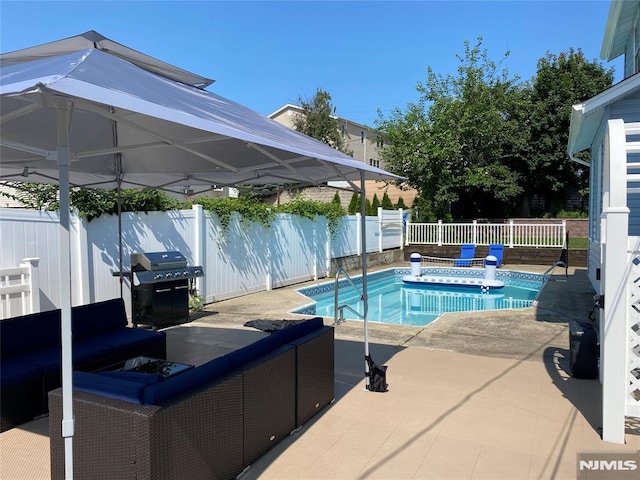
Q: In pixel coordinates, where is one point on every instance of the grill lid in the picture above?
(156, 267)
(152, 261)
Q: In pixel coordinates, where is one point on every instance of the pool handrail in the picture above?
(341, 308)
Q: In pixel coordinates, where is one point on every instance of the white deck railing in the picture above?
(620, 322)
(510, 234)
(19, 289)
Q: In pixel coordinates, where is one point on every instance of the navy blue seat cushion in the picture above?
(309, 336)
(15, 373)
(185, 381)
(109, 386)
(29, 332)
(126, 338)
(299, 329)
(254, 350)
(139, 377)
(100, 317)
(50, 358)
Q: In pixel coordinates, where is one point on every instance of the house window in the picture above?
(343, 130)
(374, 162)
(361, 136)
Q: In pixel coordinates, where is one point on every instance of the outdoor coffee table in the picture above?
(150, 365)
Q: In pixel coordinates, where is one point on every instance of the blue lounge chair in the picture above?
(497, 250)
(467, 251)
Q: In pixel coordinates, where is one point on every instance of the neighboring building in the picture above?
(364, 146)
(609, 126)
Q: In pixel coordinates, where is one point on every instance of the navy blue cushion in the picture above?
(15, 373)
(106, 386)
(99, 317)
(299, 329)
(29, 332)
(50, 358)
(255, 350)
(185, 381)
(140, 377)
(126, 337)
(309, 336)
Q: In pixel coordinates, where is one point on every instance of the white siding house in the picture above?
(608, 125)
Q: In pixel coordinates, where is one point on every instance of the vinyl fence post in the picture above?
(359, 221)
(380, 226)
(31, 264)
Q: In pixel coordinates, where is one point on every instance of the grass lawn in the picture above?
(578, 243)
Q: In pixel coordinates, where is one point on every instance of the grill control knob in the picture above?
(168, 275)
(157, 276)
(177, 274)
(185, 273)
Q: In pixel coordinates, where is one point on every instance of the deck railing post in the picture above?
(439, 233)
(511, 228)
(475, 232)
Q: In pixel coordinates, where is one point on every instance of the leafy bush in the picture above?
(567, 214)
(311, 209)
(250, 210)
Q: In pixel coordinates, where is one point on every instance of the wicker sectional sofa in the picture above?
(209, 422)
(30, 353)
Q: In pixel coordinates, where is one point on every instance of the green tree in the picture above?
(386, 204)
(375, 203)
(354, 204)
(401, 203)
(561, 81)
(336, 199)
(454, 144)
(318, 120)
(368, 208)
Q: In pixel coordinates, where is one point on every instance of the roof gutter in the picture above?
(577, 112)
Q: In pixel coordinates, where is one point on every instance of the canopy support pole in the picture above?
(65, 289)
(119, 190)
(365, 295)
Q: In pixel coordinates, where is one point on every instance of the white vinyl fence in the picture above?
(246, 258)
(510, 234)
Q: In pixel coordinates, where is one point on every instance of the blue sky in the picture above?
(368, 55)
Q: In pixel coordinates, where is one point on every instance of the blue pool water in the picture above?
(394, 302)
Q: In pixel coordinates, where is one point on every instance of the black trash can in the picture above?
(583, 350)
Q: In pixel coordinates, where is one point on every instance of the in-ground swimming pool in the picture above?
(392, 301)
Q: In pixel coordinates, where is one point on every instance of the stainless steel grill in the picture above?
(160, 287)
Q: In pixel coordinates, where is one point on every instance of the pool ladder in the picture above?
(560, 263)
(338, 315)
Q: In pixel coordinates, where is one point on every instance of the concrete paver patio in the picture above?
(472, 396)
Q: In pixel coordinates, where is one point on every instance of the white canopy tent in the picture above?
(86, 111)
